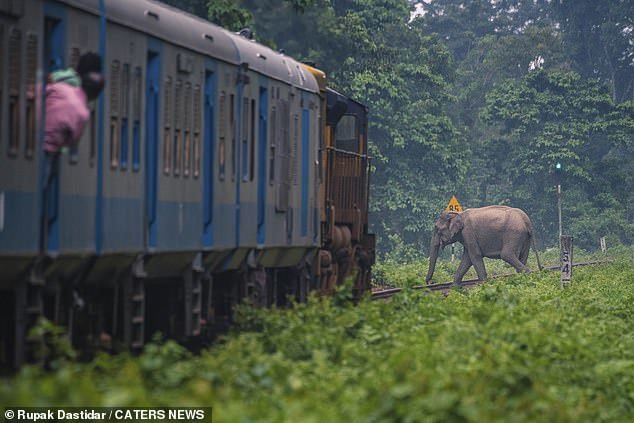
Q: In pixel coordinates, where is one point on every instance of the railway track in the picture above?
(469, 283)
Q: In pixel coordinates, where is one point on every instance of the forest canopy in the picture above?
(477, 99)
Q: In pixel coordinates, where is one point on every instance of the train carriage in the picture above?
(210, 170)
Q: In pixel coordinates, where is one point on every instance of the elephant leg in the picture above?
(478, 263)
(465, 264)
(511, 258)
(524, 254)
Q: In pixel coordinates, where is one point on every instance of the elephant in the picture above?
(498, 232)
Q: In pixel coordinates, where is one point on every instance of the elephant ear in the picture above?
(456, 225)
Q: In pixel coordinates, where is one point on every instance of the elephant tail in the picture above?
(539, 263)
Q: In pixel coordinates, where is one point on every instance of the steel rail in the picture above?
(469, 283)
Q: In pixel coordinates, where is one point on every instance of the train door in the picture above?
(235, 154)
(54, 48)
(208, 171)
(261, 206)
(152, 93)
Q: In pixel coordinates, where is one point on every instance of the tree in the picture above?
(600, 39)
(548, 117)
(195, 7)
(229, 14)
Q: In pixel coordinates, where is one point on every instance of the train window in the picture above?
(15, 72)
(136, 128)
(346, 137)
(252, 164)
(125, 104)
(245, 139)
(115, 79)
(187, 144)
(114, 143)
(283, 157)
(167, 132)
(175, 152)
(197, 125)
(272, 145)
(234, 150)
(31, 70)
(178, 113)
(222, 135)
(74, 56)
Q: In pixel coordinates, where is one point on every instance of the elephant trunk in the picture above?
(433, 255)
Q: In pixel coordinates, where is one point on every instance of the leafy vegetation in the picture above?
(394, 273)
(517, 349)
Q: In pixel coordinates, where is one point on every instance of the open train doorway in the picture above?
(53, 60)
(153, 84)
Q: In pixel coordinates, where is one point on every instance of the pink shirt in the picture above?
(66, 115)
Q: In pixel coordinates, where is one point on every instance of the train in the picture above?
(213, 169)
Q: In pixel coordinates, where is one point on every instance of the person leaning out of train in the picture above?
(68, 93)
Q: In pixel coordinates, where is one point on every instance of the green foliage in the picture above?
(51, 344)
(600, 38)
(519, 349)
(195, 7)
(406, 273)
(229, 14)
(548, 117)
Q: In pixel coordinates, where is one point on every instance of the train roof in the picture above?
(334, 94)
(178, 27)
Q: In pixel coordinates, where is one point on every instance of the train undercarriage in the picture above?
(123, 309)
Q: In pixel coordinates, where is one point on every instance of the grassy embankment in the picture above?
(518, 349)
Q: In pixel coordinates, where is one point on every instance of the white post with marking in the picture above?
(566, 260)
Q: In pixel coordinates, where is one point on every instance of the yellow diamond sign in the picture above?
(454, 205)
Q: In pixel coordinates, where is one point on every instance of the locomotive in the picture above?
(212, 169)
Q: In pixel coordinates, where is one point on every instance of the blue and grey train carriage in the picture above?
(199, 180)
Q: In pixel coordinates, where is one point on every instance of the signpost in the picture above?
(604, 247)
(566, 260)
(453, 206)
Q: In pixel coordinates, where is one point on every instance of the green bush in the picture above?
(515, 349)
